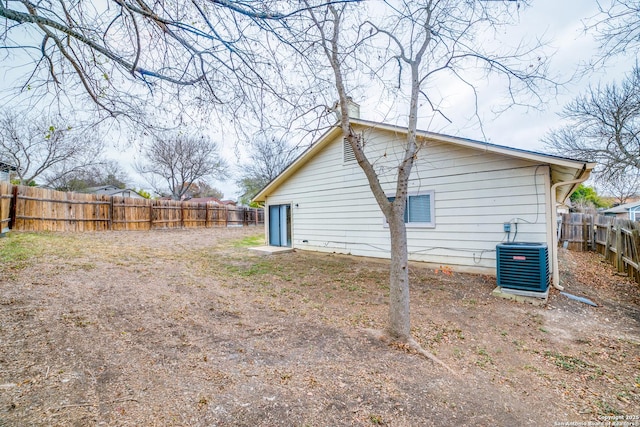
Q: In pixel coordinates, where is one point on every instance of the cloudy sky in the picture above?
(561, 23)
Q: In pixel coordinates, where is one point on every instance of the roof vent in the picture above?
(347, 151)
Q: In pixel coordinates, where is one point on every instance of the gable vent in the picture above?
(347, 151)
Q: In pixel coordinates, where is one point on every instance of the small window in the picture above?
(347, 151)
(419, 210)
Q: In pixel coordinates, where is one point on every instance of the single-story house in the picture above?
(112, 190)
(463, 196)
(5, 171)
(627, 211)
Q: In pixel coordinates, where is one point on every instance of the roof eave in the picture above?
(576, 168)
(479, 145)
(574, 180)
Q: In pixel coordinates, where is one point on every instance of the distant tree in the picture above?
(107, 172)
(16, 181)
(250, 186)
(621, 186)
(603, 125)
(170, 165)
(617, 27)
(268, 157)
(203, 189)
(46, 149)
(144, 193)
(588, 197)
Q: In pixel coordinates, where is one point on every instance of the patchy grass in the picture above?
(484, 358)
(190, 328)
(249, 241)
(17, 248)
(568, 363)
(254, 269)
(21, 250)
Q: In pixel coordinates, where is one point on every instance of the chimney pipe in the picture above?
(353, 109)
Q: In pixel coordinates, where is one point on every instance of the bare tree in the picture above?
(413, 42)
(172, 164)
(204, 189)
(45, 149)
(603, 126)
(107, 172)
(621, 186)
(617, 27)
(268, 156)
(128, 57)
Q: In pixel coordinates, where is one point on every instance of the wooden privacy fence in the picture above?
(38, 209)
(617, 239)
(576, 231)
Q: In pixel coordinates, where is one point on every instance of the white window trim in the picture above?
(432, 207)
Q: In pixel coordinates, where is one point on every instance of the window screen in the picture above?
(419, 208)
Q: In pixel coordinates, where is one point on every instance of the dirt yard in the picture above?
(189, 328)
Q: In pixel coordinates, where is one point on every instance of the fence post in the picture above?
(607, 241)
(181, 213)
(13, 207)
(619, 263)
(111, 213)
(635, 257)
(151, 215)
(631, 250)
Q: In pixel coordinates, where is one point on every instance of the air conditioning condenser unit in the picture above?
(523, 266)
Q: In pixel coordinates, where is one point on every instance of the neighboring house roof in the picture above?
(124, 192)
(7, 167)
(204, 200)
(112, 190)
(622, 208)
(562, 169)
(100, 189)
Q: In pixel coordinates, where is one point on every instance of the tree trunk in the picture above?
(399, 316)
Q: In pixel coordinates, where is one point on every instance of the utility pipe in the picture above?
(554, 248)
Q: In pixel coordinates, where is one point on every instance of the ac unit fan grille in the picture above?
(523, 266)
